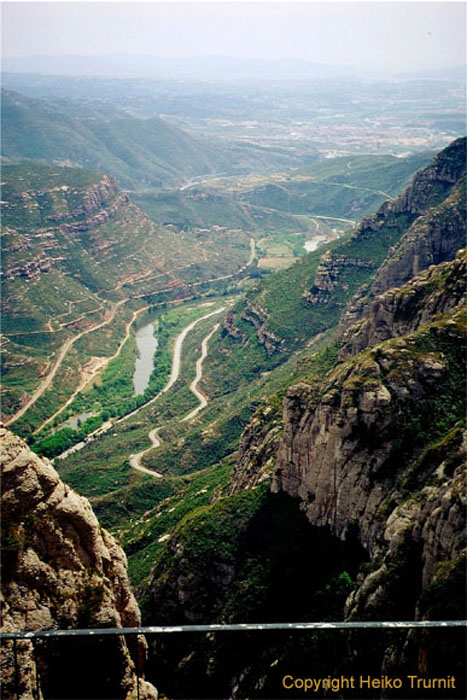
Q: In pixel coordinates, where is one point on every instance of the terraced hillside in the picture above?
(79, 260)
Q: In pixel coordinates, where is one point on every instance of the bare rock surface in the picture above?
(402, 310)
(349, 455)
(60, 570)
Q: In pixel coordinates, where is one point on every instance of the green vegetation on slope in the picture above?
(136, 151)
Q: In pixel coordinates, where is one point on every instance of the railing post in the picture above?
(36, 670)
(140, 651)
(15, 656)
(137, 684)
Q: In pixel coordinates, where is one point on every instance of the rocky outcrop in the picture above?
(425, 225)
(31, 270)
(403, 310)
(258, 317)
(430, 185)
(229, 328)
(257, 450)
(429, 527)
(61, 570)
(435, 235)
(103, 194)
(74, 212)
(328, 275)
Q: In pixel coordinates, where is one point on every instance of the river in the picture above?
(146, 344)
(312, 245)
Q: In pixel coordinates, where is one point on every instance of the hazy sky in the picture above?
(383, 35)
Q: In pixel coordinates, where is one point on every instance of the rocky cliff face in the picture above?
(329, 276)
(430, 185)
(258, 317)
(257, 450)
(61, 570)
(402, 310)
(351, 448)
(372, 454)
(377, 450)
(47, 216)
(429, 215)
(434, 238)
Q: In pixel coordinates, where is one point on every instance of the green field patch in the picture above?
(276, 263)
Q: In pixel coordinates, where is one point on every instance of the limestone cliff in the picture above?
(257, 450)
(425, 225)
(402, 310)
(61, 570)
(356, 447)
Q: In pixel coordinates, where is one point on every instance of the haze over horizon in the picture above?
(389, 37)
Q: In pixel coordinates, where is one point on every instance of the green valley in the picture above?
(233, 338)
(303, 397)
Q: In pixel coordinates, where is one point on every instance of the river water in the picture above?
(146, 344)
(310, 246)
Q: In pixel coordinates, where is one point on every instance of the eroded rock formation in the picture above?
(61, 570)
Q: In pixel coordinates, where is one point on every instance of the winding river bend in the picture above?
(146, 344)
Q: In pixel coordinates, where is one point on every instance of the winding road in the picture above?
(335, 218)
(203, 402)
(103, 362)
(63, 351)
(135, 459)
(354, 187)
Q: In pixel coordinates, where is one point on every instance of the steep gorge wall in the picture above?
(350, 449)
(402, 310)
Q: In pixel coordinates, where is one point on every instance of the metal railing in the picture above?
(34, 636)
(239, 627)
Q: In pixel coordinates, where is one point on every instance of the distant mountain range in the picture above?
(206, 68)
(149, 152)
(198, 67)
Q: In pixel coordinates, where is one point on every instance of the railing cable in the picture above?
(240, 627)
